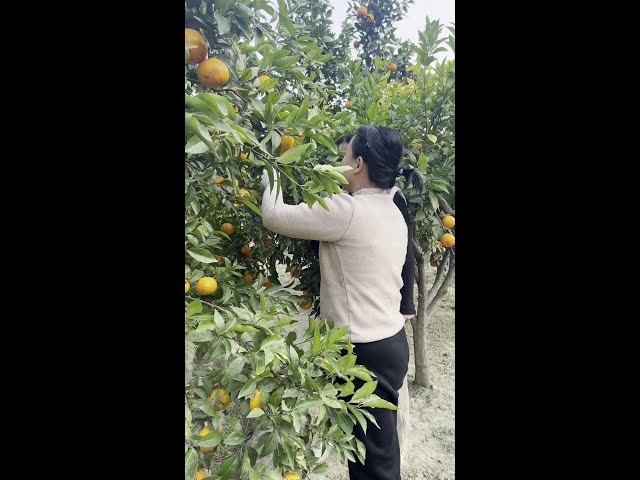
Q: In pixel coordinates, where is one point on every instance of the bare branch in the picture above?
(206, 303)
(439, 277)
(451, 275)
(444, 205)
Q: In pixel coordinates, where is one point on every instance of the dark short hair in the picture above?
(345, 139)
(382, 150)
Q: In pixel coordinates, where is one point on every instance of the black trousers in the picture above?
(388, 359)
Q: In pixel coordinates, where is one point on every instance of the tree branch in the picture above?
(439, 278)
(451, 275)
(206, 303)
(444, 205)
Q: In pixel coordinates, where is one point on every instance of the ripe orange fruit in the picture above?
(356, 44)
(200, 474)
(307, 305)
(245, 250)
(362, 11)
(199, 52)
(254, 401)
(348, 105)
(244, 156)
(392, 67)
(220, 396)
(206, 286)
(243, 195)
(213, 73)
(286, 143)
(447, 240)
(291, 476)
(204, 432)
(227, 228)
(448, 221)
(187, 286)
(248, 277)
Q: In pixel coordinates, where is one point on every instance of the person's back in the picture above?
(361, 281)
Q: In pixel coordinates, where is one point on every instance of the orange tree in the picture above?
(375, 30)
(259, 401)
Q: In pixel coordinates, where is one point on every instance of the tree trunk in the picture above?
(419, 326)
(428, 300)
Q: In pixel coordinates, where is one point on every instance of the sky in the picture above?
(407, 28)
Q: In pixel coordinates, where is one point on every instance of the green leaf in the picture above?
(321, 468)
(359, 372)
(433, 138)
(269, 445)
(347, 389)
(253, 207)
(195, 145)
(247, 389)
(293, 155)
(202, 255)
(315, 348)
(224, 25)
(434, 201)
(197, 337)
(423, 162)
(211, 439)
(307, 404)
(322, 140)
(291, 393)
(364, 391)
(253, 455)
(218, 103)
(331, 402)
(359, 417)
(218, 319)
(194, 307)
(272, 343)
(256, 412)
(234, 439)
(190, 463)
(370, 417)
(229, 468)
(268, 85)
(234, 369)
(321, 201)
(296, 418)
(345, 423)
(376, 402)
(285, 62)
(304, 109)
(283, 16)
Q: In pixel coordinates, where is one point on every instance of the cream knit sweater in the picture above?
(363, 244)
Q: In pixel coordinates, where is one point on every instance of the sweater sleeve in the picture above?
(407, 306)
(300, 221)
